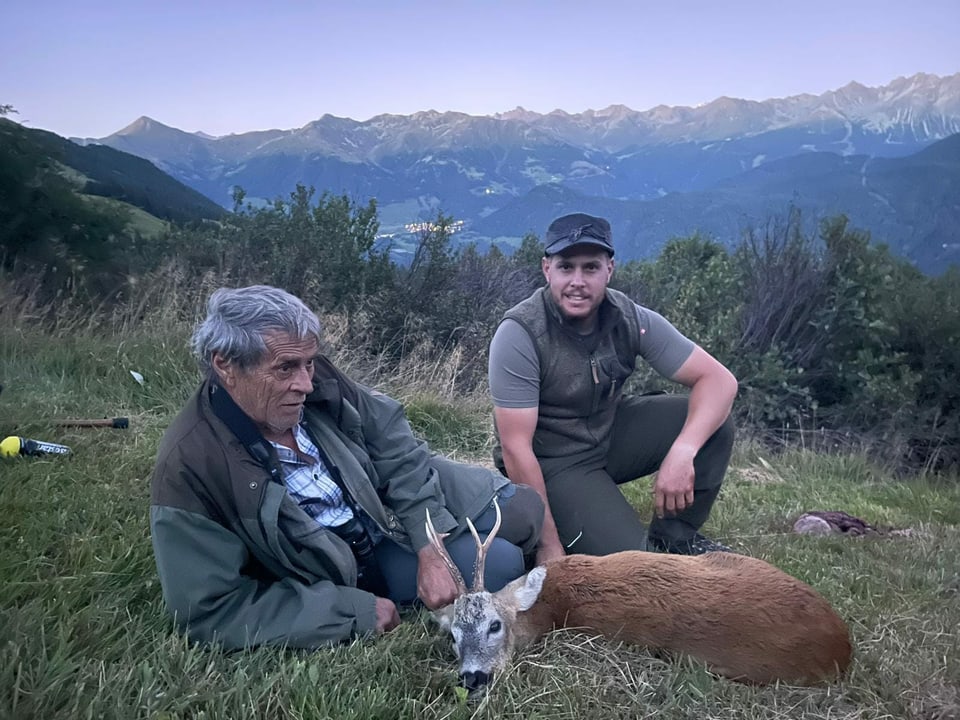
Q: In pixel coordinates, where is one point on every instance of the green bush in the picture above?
(826, 332)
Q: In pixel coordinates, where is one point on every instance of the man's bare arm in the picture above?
(712, 391)
(516, 427)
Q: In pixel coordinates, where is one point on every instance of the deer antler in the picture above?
(483, 547)
(436, 540)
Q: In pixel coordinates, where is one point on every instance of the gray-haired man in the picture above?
(288, 501)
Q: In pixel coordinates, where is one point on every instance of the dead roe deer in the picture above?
(744, 618)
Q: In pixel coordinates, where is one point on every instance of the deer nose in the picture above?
(475, 680)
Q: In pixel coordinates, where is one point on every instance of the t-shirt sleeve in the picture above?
(514, 368)
(662, 345)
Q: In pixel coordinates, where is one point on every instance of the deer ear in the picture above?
(527, 593)
(443, 617)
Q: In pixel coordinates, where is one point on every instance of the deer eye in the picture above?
(495, 627)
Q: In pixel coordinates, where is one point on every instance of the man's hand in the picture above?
(673, 488)
(435, 587)
(387, 616)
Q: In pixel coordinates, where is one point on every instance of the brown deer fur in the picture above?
(744, 618)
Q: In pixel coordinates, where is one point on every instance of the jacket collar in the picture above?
(244, 429)
(327, 390)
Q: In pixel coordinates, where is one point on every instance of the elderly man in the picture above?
(288, 501)
(558, 364)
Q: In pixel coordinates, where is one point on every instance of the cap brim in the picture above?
(584, 243)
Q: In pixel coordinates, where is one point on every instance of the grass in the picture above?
(147, 225)
(142, 222)
(83, 633)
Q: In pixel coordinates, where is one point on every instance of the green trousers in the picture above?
(592, 515)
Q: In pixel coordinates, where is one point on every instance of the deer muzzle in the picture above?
(475, 680)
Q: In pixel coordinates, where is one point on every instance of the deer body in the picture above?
(743, 617)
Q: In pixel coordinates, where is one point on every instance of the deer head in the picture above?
(482, 623)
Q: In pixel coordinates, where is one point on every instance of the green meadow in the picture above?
(83, 632)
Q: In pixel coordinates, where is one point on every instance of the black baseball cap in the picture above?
(578, 229)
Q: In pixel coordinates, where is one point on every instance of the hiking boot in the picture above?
(697, 545)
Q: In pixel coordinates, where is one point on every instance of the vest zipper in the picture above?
(596, 382)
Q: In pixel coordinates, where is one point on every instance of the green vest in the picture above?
(581, 377)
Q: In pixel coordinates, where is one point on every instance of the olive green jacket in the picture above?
(240, 563)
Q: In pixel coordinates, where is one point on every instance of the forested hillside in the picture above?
(104, 171)
(83, 215)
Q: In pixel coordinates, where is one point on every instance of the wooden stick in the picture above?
(121, 423)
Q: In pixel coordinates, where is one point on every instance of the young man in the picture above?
(558, 363)
(289, 502)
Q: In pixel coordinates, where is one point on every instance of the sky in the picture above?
(87, 69)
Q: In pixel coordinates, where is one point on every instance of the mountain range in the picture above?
(667, 171)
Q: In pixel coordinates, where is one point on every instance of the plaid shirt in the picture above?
(310, 483)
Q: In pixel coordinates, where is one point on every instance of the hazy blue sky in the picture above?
(89, 68)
